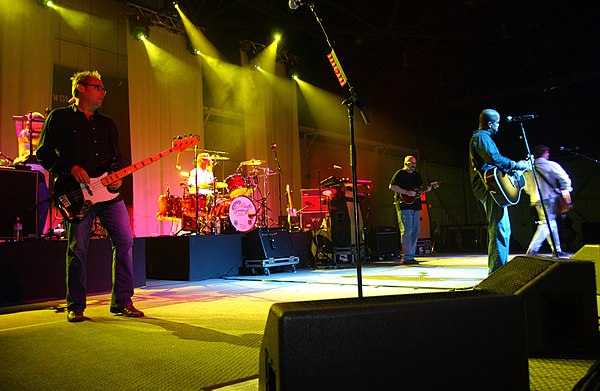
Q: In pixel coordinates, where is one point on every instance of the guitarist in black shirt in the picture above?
(75, 143)
(406, 184)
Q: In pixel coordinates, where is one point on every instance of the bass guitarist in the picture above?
(77, 141)
(408, 183)
(484, 155)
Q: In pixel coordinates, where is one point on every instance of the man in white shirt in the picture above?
(553, 181)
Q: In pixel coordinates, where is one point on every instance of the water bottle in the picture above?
(218, 227)
(18, 230)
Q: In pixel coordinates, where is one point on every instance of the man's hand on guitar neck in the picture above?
(523, 165)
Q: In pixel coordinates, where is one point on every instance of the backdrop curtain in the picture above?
(271, 117)
(165, 100)
(25, 65)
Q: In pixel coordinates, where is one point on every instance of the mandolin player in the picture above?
(407, 185)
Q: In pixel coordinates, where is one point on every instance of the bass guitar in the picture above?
(504, 187)
(74, 199)
(418, 190)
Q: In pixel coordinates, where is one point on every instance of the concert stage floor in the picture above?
(206, 335)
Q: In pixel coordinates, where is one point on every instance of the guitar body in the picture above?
(418, 190)
(505, 188)
(74, 199)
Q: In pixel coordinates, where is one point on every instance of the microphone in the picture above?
(294, 4)
(335, 166)
(569, 149)
(515, 118)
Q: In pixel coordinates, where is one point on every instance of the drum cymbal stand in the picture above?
(321, 257)
(263, 209)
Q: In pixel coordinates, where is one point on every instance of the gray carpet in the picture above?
(207, 334)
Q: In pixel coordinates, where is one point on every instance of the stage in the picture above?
(207, 334)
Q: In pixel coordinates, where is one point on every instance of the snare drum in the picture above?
(169, 207)
(238, 185)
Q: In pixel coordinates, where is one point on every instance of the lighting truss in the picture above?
(157, 19)
(254, 48)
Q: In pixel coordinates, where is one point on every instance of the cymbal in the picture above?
(252, 162)
(218, 185)
(217, 157)
(267, 171)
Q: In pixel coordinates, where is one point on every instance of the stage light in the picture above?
(139, 27)
(277, 37)
(257, 67)
(176, 5)
(46, 3)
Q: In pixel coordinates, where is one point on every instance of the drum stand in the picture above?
(263, 209)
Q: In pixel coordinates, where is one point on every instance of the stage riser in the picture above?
(194, 258)
(34, 270)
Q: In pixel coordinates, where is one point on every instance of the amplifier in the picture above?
(310, 200)
(19, 198)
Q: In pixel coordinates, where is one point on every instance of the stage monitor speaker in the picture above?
(265, 243)
(560, 302)
(18, 197)
(590, 252)
(384, 241)
(470, 340)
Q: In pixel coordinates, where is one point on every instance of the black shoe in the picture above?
(409, 262)
(75, 316)
(562, 254)
(129, 310)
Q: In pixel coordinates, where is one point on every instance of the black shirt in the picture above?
(68, 138)
(407, 181)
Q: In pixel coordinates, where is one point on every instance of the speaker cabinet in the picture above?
(560, 302)
(265, 243)
(384, 241)
(19, 197)
(440, 341)
(590, 252)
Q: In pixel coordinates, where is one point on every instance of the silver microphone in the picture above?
(515, 118)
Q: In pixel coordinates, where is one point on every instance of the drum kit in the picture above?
(238, 204)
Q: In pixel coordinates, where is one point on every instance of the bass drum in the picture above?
(236, 214)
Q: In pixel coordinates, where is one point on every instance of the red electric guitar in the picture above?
(418, 190)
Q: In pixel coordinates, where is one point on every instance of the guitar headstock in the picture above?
(181, 143)
(436, 184)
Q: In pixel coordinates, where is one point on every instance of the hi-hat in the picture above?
(252, 162)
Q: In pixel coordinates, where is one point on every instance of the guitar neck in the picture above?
(122, 173)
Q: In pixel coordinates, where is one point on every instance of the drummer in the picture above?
(201, 175)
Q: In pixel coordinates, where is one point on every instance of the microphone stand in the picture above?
(350, 103)
(571, 152)
(539, 189)
(274, 149)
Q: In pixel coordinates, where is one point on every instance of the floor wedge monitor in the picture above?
(560, 302)
(437, 341)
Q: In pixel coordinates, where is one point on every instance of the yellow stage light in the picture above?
(139, 27)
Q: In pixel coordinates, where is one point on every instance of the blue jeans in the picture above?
(115, 220)
(410, 225)
(498, 232)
